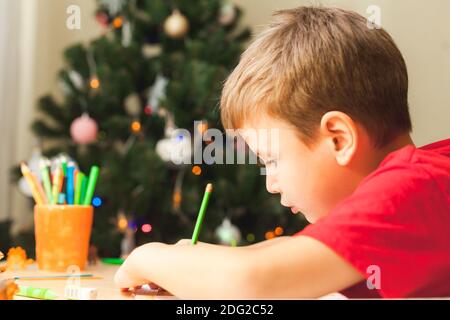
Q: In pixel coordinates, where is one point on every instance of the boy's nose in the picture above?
(272, 184)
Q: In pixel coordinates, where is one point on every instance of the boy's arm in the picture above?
(252, 246)
(187, 271)
(266, 243)
(299, 267)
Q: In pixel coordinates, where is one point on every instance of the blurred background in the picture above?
(111, 87)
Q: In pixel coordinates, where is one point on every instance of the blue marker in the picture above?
(62, 198)
(71, 183)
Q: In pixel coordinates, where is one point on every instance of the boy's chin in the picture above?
(311, 218)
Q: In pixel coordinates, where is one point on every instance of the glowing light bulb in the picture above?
(94, 83)
(196, 170)
(146, 228)
(279, 231)
(136, 126)
(118, 22)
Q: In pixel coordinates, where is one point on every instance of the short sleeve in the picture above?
(397, 221)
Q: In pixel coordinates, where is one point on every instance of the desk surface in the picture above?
(102, 281)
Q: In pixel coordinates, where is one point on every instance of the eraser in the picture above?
(73, 292)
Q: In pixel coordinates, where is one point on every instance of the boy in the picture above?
(380, 207)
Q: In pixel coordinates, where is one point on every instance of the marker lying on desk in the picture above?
(201, 213)
(67, 276)
(36, 293)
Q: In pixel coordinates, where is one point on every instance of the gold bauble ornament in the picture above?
(176, 25)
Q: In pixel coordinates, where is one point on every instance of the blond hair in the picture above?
(312, 60)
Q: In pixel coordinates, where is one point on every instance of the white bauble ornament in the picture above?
(176, 150)
(228, 233)
(176, 25)
(228, 14)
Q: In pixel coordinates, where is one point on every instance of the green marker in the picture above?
(44, 164)
(83, 189)
(64, 172)
(201, 213)
(93, 176)
(78, 186)
(64, 165)
(115, 261)
(37, 293)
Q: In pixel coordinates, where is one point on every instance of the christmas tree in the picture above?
(158, 67)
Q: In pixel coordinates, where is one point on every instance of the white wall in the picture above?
(421, 29)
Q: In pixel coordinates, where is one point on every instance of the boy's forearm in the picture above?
(192, 271)
(266, 243)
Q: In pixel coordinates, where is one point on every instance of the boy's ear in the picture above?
(341, 134)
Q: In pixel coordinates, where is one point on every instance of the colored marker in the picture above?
(70, 183)
(32, 183)
(78, 186)
(51, 277)
(57, 179)
(64, 165)
(64, 174)
(93, 176)
(40, 189)
(45, 175)
(84, 181)
(36, 293)
(115, 261)
(201, 213)
(62, 198)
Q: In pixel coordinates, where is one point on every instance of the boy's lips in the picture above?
(294, 210)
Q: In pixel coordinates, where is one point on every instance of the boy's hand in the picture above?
(128, 274)
(183, 242)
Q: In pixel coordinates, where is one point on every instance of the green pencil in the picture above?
(93, 176)
(46, 179)
(78, 186)
(201, 213)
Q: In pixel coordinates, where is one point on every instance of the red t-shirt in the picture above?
(398, 219)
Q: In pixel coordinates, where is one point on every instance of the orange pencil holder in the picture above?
(62, 236)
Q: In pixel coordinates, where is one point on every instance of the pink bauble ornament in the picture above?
(84, 130)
